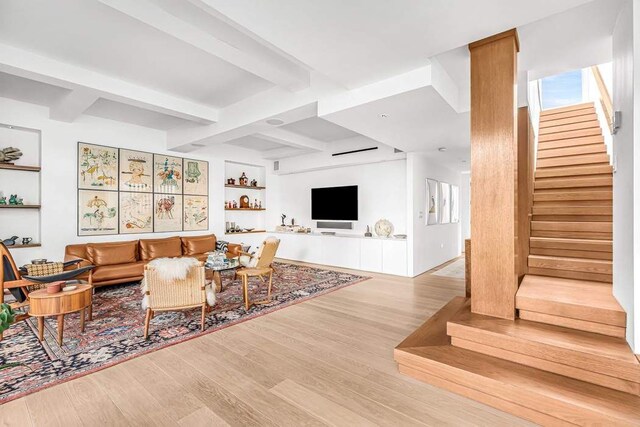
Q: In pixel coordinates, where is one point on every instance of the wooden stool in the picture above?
(43, 304)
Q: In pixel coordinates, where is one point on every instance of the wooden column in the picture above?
(494, 264)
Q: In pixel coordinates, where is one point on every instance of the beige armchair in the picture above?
(259, 266)
(174, 294)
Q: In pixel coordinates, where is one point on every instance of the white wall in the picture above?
(381, 193)
(59, 189)
(429, 246)
(626, 179)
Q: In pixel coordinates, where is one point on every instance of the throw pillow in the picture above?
(222, 246)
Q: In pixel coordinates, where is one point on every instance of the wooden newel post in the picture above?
(494, 271)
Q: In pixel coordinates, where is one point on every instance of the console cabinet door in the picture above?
(371, 255)
(341, 251)
(394, 257)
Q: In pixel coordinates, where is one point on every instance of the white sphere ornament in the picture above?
(384, 228)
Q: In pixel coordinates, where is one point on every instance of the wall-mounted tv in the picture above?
(335, 203)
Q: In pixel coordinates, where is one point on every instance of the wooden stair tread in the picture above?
(583, 265)
(574, 160)
(561, 243)
(570, 134)
(570, 126)
(552, 111)
(574, 171)
(534, 394)
(579, 299)
(572, 151)
(575, 182)
(590, 351)
(552, 121)
(572, 210)
(570, 142)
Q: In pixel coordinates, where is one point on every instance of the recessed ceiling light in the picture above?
(275, 122)
(384, 116)
(10, 127)
(442, 149)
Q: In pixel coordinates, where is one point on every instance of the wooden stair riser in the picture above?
(581, 133)
(559, 196)
(576, 171)
(604, 256)
(572, 218)
(592, 227)
(548, 366)
(570, 357)
(566, 274)
(574, 182)
(571, 264)
(571, 244)
(571, 323)
(570, 127)
(545, 114)
(591, 116)
(570, 143)
(581, 159)
(568, 114)
(582, 210)
(572, 151)
(573, 203)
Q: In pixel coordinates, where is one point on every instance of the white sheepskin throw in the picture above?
(176, 269)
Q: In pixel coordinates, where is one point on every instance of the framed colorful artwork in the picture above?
(196, 177)
(445, 203)
(196, 213)
(97, 212)
(136, 171)
(455, 204)
(167, 174)
(136, 213)
(97, 167)
(167, 212)
(433, 202)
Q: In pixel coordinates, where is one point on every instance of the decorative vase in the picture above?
(384, 228)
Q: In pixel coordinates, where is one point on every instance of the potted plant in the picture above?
(7, 317)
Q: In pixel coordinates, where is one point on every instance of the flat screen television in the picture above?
(335, 203)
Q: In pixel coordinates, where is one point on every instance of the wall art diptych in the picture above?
(196, 177)
(433, 202)
(136, 171)
(97, 212)
(132, 192)
(445, 203)
(196, 213)
(167, 212)
(97, 167)
(167, 174)
(136, 213)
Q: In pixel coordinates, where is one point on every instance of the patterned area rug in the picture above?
(116, 332)
(455, 270)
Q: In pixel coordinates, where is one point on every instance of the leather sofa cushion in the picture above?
(195, 245)
(160, 248)
(133, 270)
(112, 253)
(76, 252)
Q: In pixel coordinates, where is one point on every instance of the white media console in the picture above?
(375, 254)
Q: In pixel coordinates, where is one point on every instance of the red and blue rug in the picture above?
(116, 332)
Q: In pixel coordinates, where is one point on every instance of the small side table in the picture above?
(42, 304)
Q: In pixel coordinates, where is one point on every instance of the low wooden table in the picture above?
(42, 304)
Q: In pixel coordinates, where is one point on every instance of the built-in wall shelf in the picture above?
(244, 209)
(19, 206)
(248, 187)
(19, 168)
(30, 245)
(246, 232)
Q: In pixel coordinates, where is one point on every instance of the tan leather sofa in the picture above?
(123, 262)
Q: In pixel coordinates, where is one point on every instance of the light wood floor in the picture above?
(327, 361)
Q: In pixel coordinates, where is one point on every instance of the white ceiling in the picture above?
(322, 130)
(205, 68)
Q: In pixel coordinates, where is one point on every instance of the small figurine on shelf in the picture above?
(283, 216)
(255, 204)
(9, 154)
(26, 240)
(251, 206)
(235, 205)
(260, 204)
(14, 200)
(243, 179)
(11, 241)
(231, 181)
(254, 183)
(3, 200)
(368, 233)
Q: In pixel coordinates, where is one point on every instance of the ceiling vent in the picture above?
(354, 151)
(276, 165)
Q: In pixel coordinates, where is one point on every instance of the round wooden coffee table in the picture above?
(42, 304)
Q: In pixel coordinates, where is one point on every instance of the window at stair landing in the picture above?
(562, 90)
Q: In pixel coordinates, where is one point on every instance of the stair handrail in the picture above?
(601, 98)
(605, 96)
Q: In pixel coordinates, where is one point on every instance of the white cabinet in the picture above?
(371, 255)
(359, 253)
(394, 257)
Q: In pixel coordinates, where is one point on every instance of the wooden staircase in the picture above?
(564, 360)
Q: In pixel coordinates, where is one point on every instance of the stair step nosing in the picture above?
(603, 315)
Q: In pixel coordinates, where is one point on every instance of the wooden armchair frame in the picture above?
(263, 267)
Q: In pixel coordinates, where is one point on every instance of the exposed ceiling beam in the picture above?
(69, 108)
(291, 139)
(241, 51)
(47, 70)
